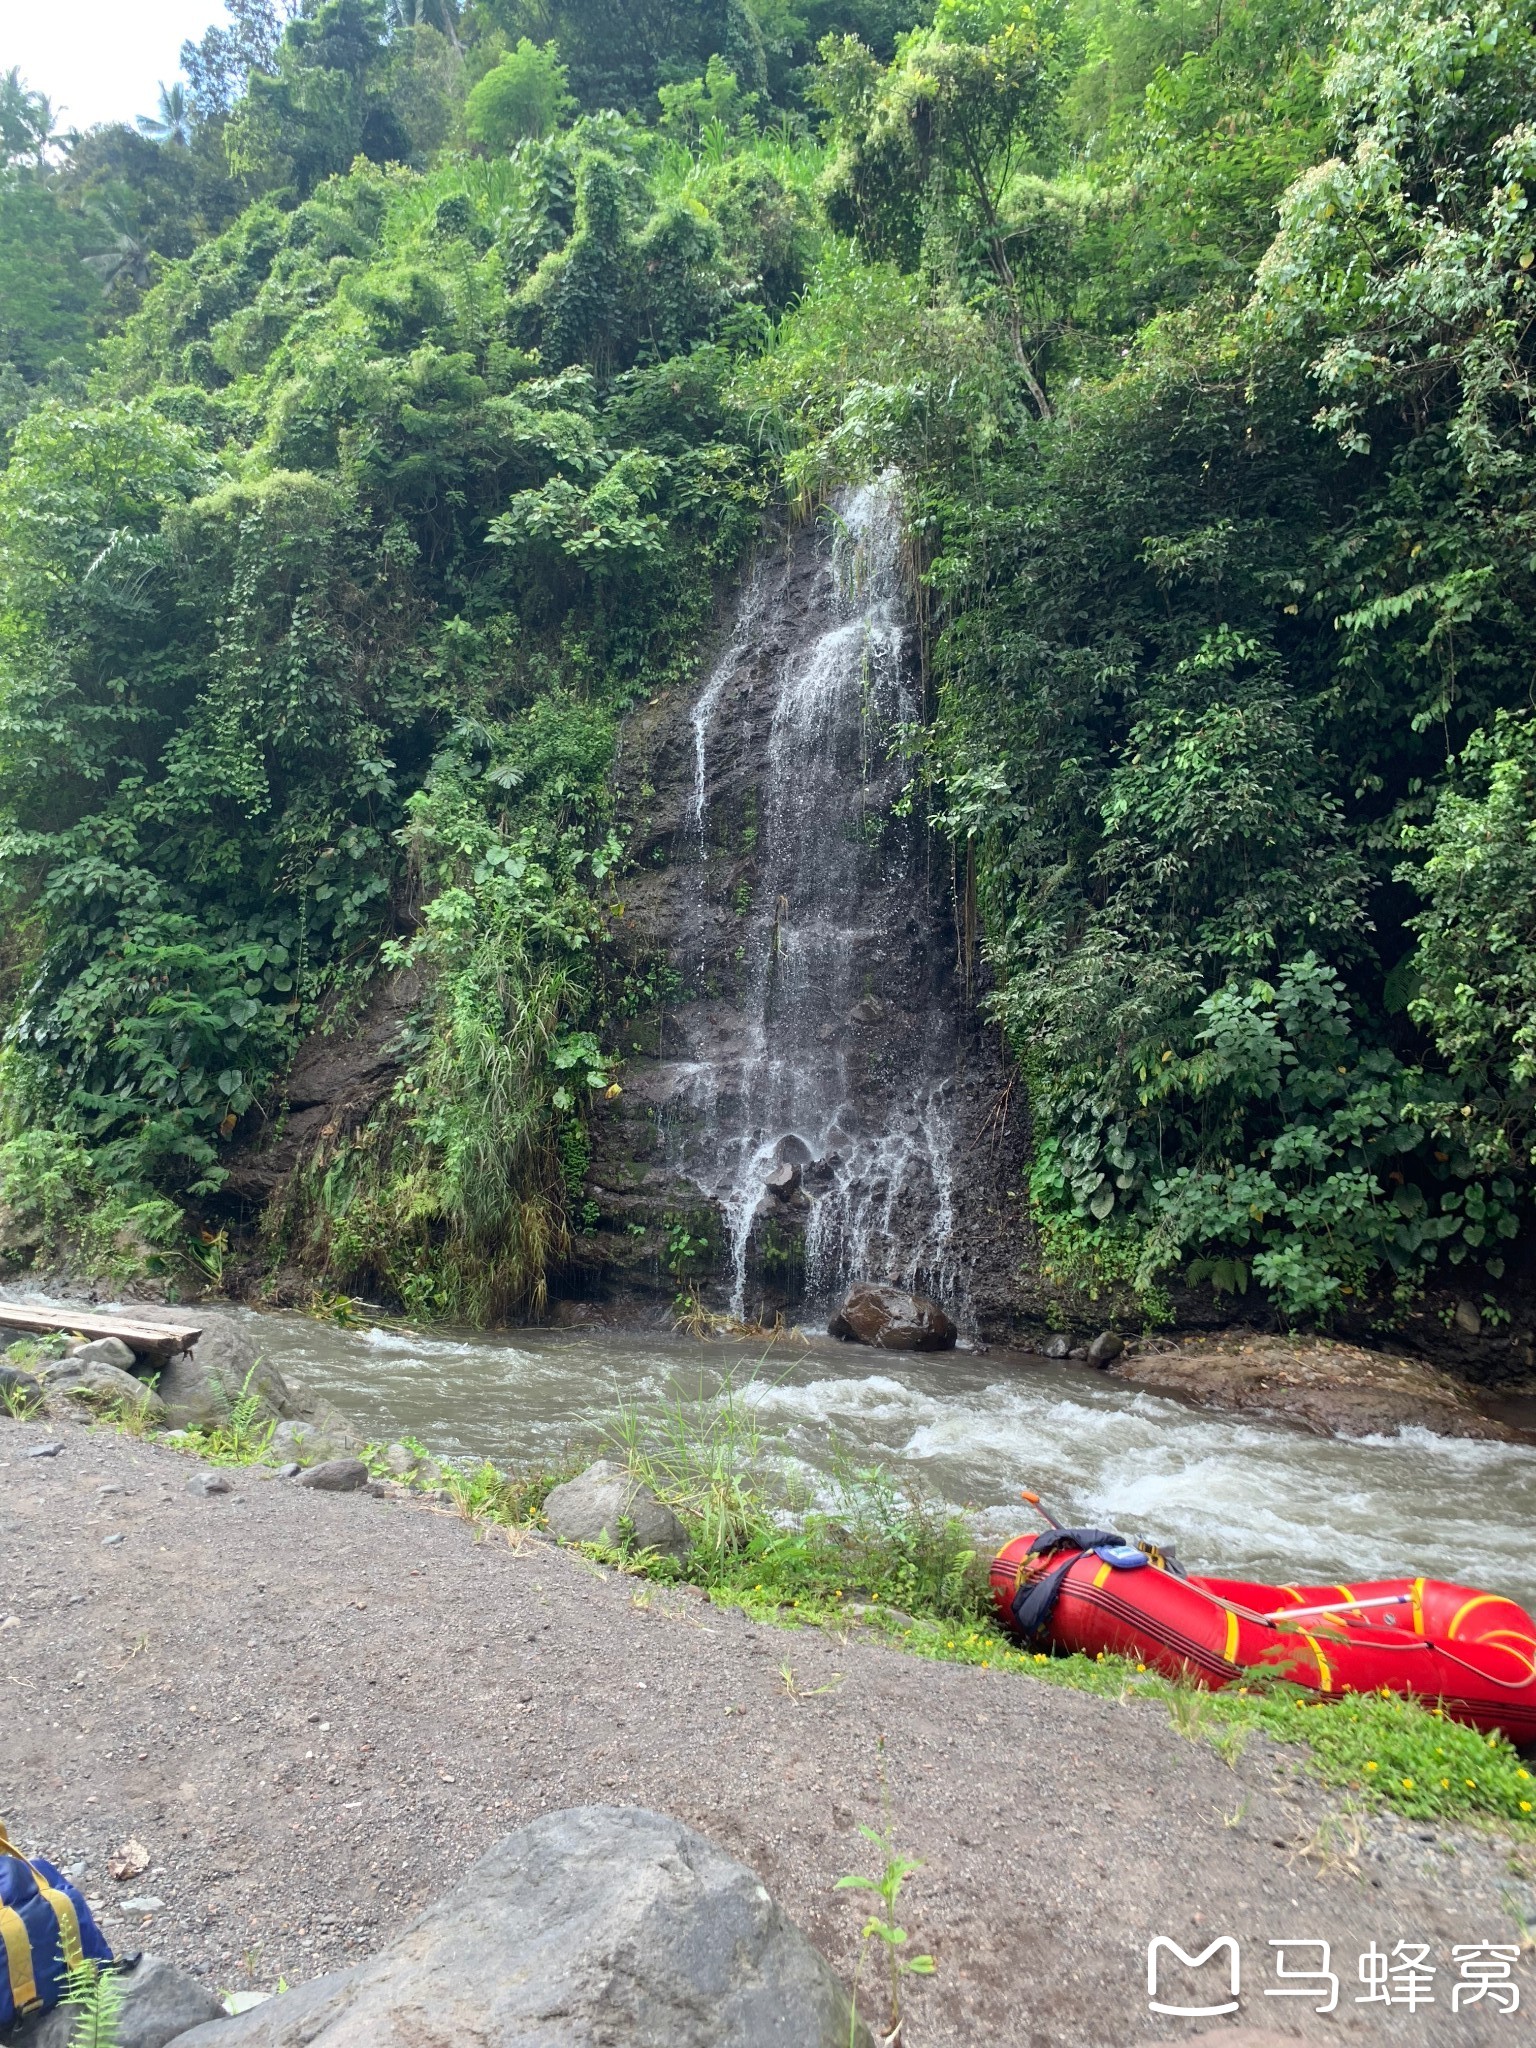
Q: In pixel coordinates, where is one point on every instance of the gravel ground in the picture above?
(314, 1710)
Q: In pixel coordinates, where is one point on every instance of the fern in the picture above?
(96, 1996)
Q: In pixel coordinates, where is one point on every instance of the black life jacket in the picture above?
(1035, 1601)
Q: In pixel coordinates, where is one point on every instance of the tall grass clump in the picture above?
(761, 1536)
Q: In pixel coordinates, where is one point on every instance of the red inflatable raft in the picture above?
(1472, 1653)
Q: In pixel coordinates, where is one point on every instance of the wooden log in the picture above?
(146, 1340)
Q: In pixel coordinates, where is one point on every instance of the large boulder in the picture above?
(607, 1505)
(892, 1319)
(200, 1387)
(599, 1924)
(160, 2004)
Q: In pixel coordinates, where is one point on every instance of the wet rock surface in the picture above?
(593, 1924)
(1331, 1388)
(800, 1103)
(892, 1319)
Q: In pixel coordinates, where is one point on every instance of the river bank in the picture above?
(313, 1711)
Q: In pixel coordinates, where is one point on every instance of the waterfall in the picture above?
(815, 1103)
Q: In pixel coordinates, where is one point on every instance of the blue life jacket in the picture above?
(46, 1930)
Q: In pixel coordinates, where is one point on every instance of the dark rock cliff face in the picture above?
(809, 1097)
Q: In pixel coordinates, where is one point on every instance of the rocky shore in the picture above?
(1331, 1388)
(314, 1711)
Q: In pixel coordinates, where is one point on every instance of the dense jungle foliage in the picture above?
(386, 413)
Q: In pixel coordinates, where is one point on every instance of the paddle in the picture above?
(1036, 1502)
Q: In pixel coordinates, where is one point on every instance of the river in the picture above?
(1234, 1493)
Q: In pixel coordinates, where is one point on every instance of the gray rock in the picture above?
(141, 1905)
(324, 1432)
(336, 1475)
(276, 2020)
(200, 1387)
(111, 1542)
(210, 1482)
(1106, 1348)
(104, 1351)
(20, 1389)
(1468, 1321)
(594, 1506)
(93, 1383)
(891, 1319)
(1059, 1347)
(598, 1924)
(160, 2004)
(45, 1450)
(290, 1470)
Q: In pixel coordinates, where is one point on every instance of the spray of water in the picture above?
(838, 920)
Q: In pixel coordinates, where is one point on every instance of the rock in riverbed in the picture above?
(605, 1504)
(1332, 1388)
(599, 1923)
(892, 1319)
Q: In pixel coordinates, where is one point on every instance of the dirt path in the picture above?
(315, 1710)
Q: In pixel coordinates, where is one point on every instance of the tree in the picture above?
(941, 139)
(524, 97)
(27, 123)
(172, 119)
(218, 66)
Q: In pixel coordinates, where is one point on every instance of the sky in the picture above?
(100, 60)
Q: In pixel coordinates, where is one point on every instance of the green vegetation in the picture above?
(95, 1997)
(882, 1926)
(384, 414)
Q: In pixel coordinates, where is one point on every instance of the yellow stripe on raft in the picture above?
(1324, 1675)
(1230, 1653)
(1101, 1576)
(1418, 1607)
(1466, 1607)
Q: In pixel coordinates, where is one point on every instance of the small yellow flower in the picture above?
(1407, 1784)
(1522, 1774)
(1039, 1656)
(1445, 1784)
(1141, 1667)
(1525, 1806)
(1471, 1784)
(1371, 1767)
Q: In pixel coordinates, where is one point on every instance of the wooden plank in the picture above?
(148, 1340)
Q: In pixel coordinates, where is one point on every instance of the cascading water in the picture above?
(817, 1104)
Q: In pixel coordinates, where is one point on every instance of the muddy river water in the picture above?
(1234, 1493)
